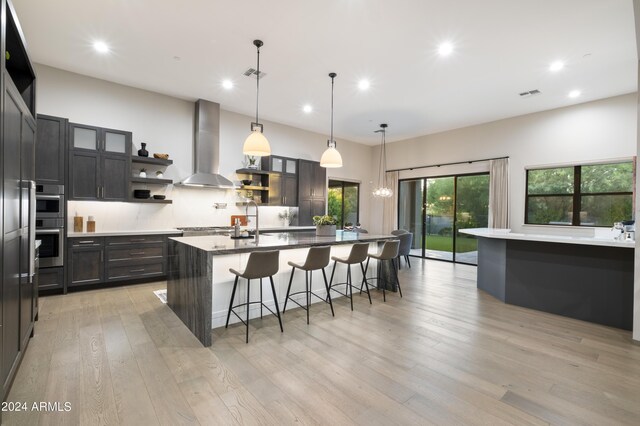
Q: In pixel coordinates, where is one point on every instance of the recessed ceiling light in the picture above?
(101, 46)
(307, 109)
(364, 85)
(227, 84)
(445, 49)
(556, 66)
(574, 94)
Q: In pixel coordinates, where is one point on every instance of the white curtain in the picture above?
(390, 211)
(499, 193)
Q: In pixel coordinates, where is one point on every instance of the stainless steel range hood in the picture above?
(206, 149)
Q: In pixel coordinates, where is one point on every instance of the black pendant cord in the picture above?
(258, 83)
(382, 166)
(332, 143)
(331, 140)
(384, 152)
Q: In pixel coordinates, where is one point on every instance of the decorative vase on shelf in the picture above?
(252, 162)
(143, 173)
(142, 152)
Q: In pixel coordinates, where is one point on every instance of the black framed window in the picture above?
(344, 202)
(583, 195)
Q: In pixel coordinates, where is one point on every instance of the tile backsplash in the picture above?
(191, 207)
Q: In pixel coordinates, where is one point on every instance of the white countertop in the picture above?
(506, 234)
(123, 233)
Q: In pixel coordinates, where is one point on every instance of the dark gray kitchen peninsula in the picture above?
(590, 279)
(199, 283)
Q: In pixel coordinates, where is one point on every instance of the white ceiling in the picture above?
(502, 48)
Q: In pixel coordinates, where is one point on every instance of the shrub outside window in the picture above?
(585, 195)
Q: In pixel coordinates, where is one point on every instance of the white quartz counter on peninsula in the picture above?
(506, 234)
(586, 278)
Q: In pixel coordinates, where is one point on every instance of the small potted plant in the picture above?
(325, 225)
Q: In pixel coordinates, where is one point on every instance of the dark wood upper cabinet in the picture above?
(99, 163)
(279, 164)
(50, 150)
(312, 190)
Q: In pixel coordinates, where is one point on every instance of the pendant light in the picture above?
(331, 157)
(256, 143)
(382, 190)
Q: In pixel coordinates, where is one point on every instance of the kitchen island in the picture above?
(590, 279)
(199, 283)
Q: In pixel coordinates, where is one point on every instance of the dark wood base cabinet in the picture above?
(116, 259)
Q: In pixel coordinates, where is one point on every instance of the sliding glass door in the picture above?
(435, 209)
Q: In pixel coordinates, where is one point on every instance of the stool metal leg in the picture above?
(275, 300)
(248, 287)
(331, 280)
(384, 294)
(233, 294)
(364, 280)
(408, 261)
(397, 279)
(326, 285)
(260, 298)
(288, 290)
(308, 281)
(350, 285)
(364, 273)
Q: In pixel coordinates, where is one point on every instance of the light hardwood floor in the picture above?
(444, 354)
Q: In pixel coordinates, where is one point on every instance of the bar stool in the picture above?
(358, 254)
(389, 252)
(317, 258)
(261, 264)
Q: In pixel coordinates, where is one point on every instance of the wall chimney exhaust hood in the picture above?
(206, 149)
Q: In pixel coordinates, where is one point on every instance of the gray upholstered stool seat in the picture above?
(261, 264)
(389, 253)
(317, 259)
(357, 255)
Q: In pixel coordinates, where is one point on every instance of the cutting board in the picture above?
(243, 219)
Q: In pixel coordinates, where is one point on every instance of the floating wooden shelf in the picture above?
(244, 203)
(151, 160)
(149, 200)
(151, 181)
(254, 188)
(256, 172)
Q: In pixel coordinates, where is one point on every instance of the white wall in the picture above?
(604, 129)
(166, 125)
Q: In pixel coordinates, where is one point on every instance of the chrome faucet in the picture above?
(246, 213)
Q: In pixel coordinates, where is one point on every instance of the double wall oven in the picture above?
(50, 224)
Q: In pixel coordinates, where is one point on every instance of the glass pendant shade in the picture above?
(256, 145)
(331, 158)
(382, 192)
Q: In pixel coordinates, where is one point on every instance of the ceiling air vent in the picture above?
(253, 73)
(530, 93)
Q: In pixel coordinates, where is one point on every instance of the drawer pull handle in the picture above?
(136, 270)
(138, 239)
(136, 253)
(86, 242)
